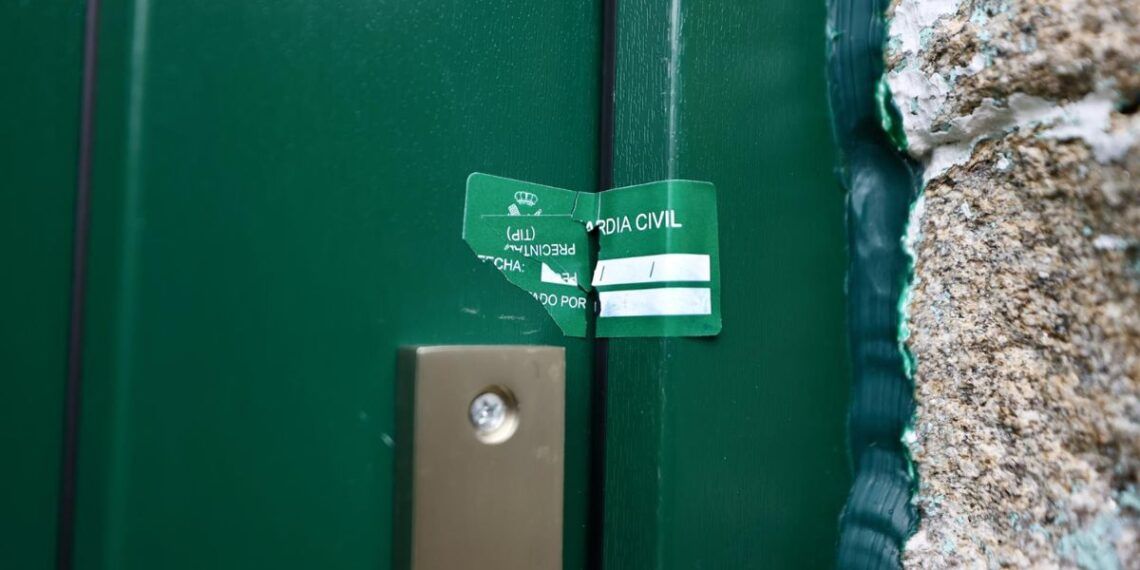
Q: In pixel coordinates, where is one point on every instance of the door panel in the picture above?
(729, 452)
(279, 190)
(277, 198)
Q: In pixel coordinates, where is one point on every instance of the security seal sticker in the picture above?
(527, 231)
(658, 270)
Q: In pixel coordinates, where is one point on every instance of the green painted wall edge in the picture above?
(881, 184)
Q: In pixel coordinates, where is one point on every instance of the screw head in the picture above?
(488, 412)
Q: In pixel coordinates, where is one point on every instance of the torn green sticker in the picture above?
(658, 270)
(527, 231)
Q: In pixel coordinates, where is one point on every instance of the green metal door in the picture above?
(276, 193)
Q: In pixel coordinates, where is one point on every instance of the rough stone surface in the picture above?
(1024, 313)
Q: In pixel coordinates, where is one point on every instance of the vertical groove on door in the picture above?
(65, 533)
(596, 542)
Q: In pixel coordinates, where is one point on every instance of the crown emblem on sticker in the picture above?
(526, 198)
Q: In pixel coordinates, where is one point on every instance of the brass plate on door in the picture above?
(480, 457)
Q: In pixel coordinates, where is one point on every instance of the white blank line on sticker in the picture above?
(551, 276)
(665, 302)
(652, 269)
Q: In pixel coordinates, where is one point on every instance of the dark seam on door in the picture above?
(596, 514)
(65, 529)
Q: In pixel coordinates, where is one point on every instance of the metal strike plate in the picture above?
(480, 457)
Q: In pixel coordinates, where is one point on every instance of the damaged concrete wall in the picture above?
(1024, 311)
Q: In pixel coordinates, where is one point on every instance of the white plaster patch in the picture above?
(911, 17)
(1108, 242)
(910, 245)
(919, 98)
(914, 225)
(1089, 119)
